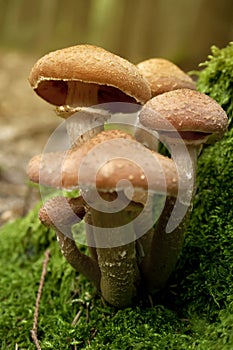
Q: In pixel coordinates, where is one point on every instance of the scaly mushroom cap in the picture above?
(98, 164)
(112, 78)
(164, 76)
(197, 117)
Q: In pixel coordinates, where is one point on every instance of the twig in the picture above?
(39, 293)
(77, 317)
(87, 311)
(150, 300)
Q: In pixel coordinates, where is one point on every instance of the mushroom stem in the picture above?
(185, 158)
(145, 137)
(165, 249)
(82, 123)
(81, 94)
(85, 124)
(194, 151)
(143, 243)
(169, 230)
(60, 214)
(79, 261)
(90, 235)
(115, 242)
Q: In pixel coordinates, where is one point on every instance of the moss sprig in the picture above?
(216, 77)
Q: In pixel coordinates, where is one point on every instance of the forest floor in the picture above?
(26, 122)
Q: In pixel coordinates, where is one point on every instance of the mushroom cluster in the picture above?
(133, 201)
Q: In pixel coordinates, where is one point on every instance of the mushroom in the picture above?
(60, 213)
(163, 75)
(83, 76)
(185, 119)
(104, 168)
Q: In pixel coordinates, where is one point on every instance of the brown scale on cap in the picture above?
(197, 117)
(164, 76)
(85, 75)
(62, 169)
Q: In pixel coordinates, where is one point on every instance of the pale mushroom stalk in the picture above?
(185, 156)
(80, 94)
(85, 123)
(60, 214)
(82, 121)
(117, 260)
(145, 137)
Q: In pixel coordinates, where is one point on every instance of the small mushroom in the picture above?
(163, 75)
(184, 118)
(83, 76)
(60, 213)
(104, 169)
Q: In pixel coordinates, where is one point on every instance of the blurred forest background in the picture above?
(181, 31)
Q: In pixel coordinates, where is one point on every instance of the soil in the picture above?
(26, 122)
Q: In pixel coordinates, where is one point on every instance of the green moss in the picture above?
(194, 312)
(207, 261)
(183, 320)
(216, 79)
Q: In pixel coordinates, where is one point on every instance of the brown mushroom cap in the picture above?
(61, 169)
(164, 75)
(196, 116)
(118, 79)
